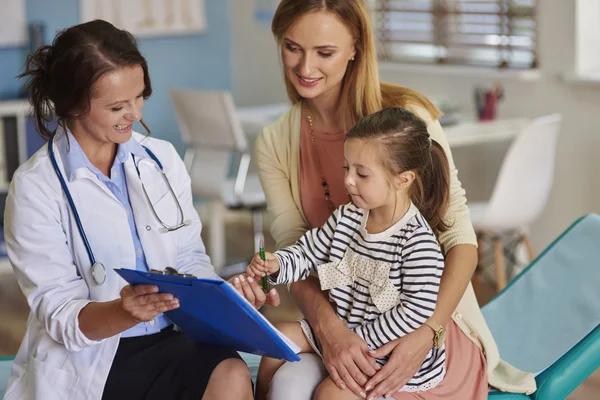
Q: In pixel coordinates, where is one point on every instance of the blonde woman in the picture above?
(330, 68)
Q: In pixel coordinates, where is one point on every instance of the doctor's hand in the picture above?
(248, 287)
(261, 268)
(143, 302)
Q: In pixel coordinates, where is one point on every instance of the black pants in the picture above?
(166, 365)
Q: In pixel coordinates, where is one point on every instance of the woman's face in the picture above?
(116, 103)
(315, 53)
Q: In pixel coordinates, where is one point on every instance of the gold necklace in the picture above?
(312, 139)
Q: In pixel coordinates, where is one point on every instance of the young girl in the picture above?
(378, 256)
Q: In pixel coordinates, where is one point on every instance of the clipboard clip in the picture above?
(171, 272)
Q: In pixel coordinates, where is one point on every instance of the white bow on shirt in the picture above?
(345, 272)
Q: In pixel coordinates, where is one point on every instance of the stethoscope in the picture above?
(98, 270)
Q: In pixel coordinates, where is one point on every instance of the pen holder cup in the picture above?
(486, 103)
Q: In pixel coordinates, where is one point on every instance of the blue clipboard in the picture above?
(212, 311)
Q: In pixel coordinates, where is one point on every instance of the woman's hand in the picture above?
(408, 354)
(346, 356)
(258, 267)
(251, 290)
(143, 302)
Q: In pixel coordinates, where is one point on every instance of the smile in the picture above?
(308, 82)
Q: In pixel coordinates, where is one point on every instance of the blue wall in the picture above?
(194, 62)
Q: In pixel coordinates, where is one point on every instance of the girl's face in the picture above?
(366, 181)
(116, 104)
(315, 54)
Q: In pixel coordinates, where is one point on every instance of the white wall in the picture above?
(257, 80)
(256, 75)
(587, 33)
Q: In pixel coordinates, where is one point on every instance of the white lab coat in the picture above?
(56, 360)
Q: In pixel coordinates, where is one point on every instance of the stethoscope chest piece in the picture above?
(98, 273)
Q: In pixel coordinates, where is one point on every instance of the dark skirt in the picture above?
(166, 365)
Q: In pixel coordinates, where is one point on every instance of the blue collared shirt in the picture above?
(75, 159)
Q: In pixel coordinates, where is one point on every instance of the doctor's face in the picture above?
(315, 53)
(116, 103)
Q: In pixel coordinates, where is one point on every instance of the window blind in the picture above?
(485, 33)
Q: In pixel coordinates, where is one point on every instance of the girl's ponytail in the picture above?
(431, 189)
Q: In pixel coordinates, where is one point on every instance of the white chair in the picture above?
(520, 192)
(213, 135)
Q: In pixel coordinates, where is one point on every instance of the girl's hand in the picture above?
(407, 356)
(260, 268)
(143, 302)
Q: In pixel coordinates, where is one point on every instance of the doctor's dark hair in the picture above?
(404, 144)
(61, 76)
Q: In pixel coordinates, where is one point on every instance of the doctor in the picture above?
(93, 199)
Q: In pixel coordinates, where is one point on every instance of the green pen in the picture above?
(261, 252)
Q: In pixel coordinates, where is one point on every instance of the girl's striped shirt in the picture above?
(382, 285)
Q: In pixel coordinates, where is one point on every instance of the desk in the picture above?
(468, 133)
(5, 266)
(255, 118)
(474, 133)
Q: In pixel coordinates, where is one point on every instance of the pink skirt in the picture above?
(466, 372)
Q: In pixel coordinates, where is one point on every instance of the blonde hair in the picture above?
(362, 93)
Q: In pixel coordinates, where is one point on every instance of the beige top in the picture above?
(277, 157)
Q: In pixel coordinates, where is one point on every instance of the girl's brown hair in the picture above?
(405, 145)
(61, 77)
(362, 93)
